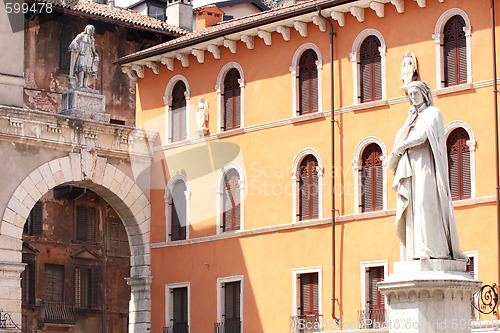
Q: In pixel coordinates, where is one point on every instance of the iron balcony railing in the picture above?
(176, 328)
(306, 323)
(57, 313)
(229, 326)
(372, 319)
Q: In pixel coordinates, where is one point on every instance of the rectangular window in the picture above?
(86, 287)
(229, 310)
(177, 308)
(54, 283)
(85, 223)
(307, 299)
(34, 222)
(373, 314)
(117, 241)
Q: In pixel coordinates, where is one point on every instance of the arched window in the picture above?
(370, 70)
(371, 179)
(178, 211)
(308, 82)
(455, 52)
(178, 114)
(308, 189)
(459, 164)
(232, 100)
(231, 215)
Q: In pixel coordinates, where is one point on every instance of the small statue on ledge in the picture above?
(84, 60)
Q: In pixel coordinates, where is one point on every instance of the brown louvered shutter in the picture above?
(455, 51)
(231, 201)
(308, 188)
(370, 70)
(179, 217)
(54, 283)
(308, 82)
(34, 222)
(459, 164)
(470, 270)
(178, 121)
(28, 282)
(376, 302)
(372, 179)
(232, 292)
(93, 287)
(232, 100)
(85, 223)
(180, 313)
(309, 294)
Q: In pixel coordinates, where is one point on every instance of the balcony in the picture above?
(372, 319)
(229, 326)
(306, 323)
(56, 313)
(177, 328)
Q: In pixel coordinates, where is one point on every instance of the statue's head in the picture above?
(418, 92)
(89, 29)
(200, 100)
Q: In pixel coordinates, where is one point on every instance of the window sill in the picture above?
(452, 89)
(369, 105)
(231, 132)
(309, 116)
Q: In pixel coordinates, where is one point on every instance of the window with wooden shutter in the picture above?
(459, 168)
(370, 66)
(470, 269)
(34, 222)
(231, 215)
(309, 294)
(178, 115)
(375, 302)
(28, 282)
(117, 240)
(232, 298)
(372, 179)
(86, 287)
(54, 283)
(180, 309)
(85, 223)
(308, 188)
(178, 211)
(65, 39)
(232, 100)
(308, 82)
(455, 52)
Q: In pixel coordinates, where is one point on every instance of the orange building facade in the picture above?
(241, 227)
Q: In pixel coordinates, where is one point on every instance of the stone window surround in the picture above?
(364, 265)
(168, 201)
(167, 100)
(295, 184)
(471, 143)
(220, 202)
(438, 41)
(354, 56)
(356, 166)
(219, 88)
(294, 70)
(220, 296)
(169, 301)
(296, 272)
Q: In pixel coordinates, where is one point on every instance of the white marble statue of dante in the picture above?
(84, 59)
(425, 221)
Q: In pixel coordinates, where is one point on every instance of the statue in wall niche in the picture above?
(84, 59)
(425, 221)
(409, 71)
(202, 116)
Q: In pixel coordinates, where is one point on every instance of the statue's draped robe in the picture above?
(425, 222)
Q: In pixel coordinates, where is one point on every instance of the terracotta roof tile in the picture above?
(117, 13)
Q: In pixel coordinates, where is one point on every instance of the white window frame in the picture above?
(167, 100)
(220, 296)
(296, 287)
(169, 301)
(294, 70)
(219, 189)
(356, 166)
(475, 255)
(364, 266)
(168, 202)
(439, 40)
(295, 184)
(219, 88)
(471, 143)
(356, 68)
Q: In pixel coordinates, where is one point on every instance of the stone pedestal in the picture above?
(85, 104)
(427, 296)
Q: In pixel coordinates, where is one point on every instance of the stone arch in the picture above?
(114, 186)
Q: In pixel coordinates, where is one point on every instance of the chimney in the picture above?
(180, 14)
(111, 4)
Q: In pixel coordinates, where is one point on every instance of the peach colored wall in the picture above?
(266, 260)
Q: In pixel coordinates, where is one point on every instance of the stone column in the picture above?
(10, 292)
(140, 304)
(427, 296)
